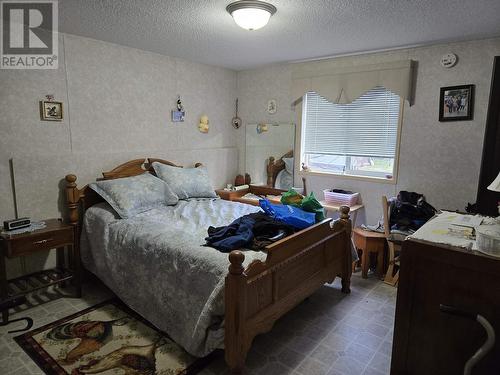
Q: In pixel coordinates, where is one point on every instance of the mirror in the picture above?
(269, 154)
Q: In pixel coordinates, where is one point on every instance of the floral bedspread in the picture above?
(157, 264)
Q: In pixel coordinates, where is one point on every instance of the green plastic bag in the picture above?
(292, 198)
(311, 204)
(308, 203)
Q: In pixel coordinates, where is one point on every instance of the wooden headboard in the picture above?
(276, 166)
(79, 200)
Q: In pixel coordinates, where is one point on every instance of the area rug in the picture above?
(107, 338)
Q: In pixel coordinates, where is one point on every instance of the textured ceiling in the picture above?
(202, 31)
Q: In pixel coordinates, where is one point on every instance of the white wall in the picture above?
(117, 103)
(440, 160)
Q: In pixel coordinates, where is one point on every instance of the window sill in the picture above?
(380, 180)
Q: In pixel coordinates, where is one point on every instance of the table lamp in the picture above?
(495, 186)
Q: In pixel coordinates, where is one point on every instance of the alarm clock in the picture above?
(22, 222)
(449, 60)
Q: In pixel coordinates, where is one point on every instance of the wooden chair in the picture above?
(392, 276)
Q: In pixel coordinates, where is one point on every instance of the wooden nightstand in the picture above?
(56, 235)
(230, 195)
(272, 194)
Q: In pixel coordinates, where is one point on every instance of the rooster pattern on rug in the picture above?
(93, 334)
(107, 340)
(133, 360)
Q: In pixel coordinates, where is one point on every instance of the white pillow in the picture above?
(130, 196)
(186, 182)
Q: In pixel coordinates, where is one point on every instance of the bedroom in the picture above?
(122, 67)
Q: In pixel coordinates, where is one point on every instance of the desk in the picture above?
(427, 341)
(353, 210)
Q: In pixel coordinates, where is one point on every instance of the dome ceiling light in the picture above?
(251, 15)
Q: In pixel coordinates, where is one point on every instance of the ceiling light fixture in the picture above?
(251, 15)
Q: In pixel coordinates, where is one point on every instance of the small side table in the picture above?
(353, 210)
(369, 242)
(56, 235)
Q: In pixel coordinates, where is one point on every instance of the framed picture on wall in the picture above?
(456, 103)
(51, 111)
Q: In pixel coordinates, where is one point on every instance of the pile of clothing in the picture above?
(409, 211)
(258, 230)
(253, 231)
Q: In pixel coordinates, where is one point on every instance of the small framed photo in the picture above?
(178, 116)
(51, 111)
(456, 103)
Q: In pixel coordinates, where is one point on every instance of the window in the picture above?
(359, 138)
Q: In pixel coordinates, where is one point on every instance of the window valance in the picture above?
(346, 84)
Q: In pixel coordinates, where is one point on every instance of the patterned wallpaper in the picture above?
(117, 103)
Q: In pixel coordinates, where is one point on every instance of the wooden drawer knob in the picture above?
(43, 241)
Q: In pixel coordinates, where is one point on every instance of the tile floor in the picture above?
(328, 334)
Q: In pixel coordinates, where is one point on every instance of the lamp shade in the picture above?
(251, 15)
(495, 185)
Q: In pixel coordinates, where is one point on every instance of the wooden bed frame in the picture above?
(255, 297)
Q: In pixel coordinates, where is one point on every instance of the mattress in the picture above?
(157, 264)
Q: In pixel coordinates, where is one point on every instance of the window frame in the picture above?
(300, 146)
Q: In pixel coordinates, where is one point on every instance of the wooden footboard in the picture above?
(295, 267)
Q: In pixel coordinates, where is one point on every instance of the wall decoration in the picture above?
(272, 106)
(179, 113)
(236, 121)
(456, 103)
(449, 60)
(203, 125)
(51, 110)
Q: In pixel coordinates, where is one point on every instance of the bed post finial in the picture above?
(72, 198)
(345, 219)
(236, 258)
(344, 212)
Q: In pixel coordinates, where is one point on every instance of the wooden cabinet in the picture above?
(490, 162)
(428, 341)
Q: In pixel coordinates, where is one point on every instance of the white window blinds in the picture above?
(366, 127)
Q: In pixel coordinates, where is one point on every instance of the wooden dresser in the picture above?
(428, 341)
